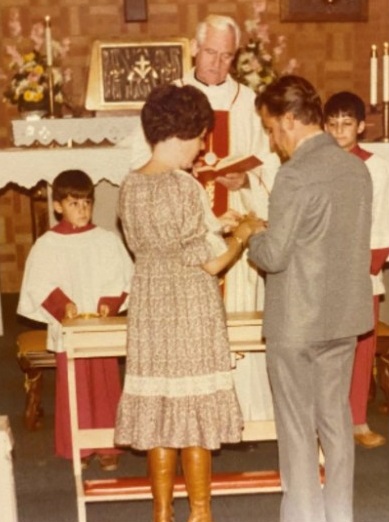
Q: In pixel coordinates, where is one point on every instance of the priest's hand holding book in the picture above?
(229, 171)
(234, 180)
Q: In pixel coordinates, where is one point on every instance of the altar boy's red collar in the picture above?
(361, 153)
(64, 227)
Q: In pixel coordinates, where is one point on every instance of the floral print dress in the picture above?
(178, 388)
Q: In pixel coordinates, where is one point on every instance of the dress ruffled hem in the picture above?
(148, 422)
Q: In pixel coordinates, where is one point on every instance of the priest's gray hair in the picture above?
(218, 22)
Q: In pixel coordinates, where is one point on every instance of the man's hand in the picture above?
(234, 180)
(260, 225)
(249, 226)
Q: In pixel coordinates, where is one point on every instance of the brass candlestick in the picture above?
(374, 106)
(51, 91)
(382, 108)
(385, 93)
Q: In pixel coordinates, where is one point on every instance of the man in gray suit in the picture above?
(315, 250)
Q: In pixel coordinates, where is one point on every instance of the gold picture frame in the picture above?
(122, 73)
(324, 10)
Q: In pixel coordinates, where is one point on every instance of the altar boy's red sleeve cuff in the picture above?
(378, 258)
(113, 303)
(55, 304)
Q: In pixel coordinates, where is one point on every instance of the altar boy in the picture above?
(344, 117)
(73, 269)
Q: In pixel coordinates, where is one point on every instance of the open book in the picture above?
(228, 165)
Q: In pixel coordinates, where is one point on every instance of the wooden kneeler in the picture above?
(33, 358)
(106, 337)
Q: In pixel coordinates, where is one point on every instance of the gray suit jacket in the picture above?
(316, 250)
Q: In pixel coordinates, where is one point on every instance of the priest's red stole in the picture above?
(218, 142)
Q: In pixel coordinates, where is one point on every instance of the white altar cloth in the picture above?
(8, 508)
(64, 131)
(26, 167)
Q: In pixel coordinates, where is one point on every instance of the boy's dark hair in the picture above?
(291, 93)
(171, 111)
(345, 103)
(75, 183)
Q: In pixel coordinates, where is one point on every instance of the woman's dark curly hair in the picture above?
(172, 111)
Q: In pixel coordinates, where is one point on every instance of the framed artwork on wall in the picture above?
(123, 73)
(324, 10)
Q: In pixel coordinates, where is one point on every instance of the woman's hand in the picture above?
(230, 220)
(236, 242)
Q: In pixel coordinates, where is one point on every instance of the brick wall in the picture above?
(332, 56)
(15, 236)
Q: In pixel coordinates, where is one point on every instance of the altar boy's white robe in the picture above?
(379, 170)
(86, 267)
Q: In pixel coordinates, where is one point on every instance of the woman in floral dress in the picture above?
(178, 390)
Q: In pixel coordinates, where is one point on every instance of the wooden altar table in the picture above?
(106, 337)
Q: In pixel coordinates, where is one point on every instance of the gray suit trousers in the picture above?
(311, 384)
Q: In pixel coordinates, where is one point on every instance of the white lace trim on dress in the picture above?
(179, 386)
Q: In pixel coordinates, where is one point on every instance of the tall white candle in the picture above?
(49, 45)
(385, 73)
(373, 75)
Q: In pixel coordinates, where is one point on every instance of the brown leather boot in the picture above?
(162, 471)
(196, 464)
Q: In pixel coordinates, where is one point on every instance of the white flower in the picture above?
(28, 80)
(254, 64)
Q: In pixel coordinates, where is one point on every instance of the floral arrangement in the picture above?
(255, 64)
(28, 75)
